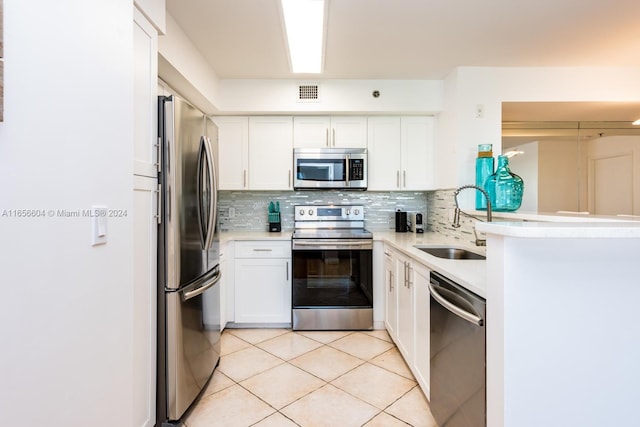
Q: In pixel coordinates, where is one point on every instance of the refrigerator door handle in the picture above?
(213, 200)
(206, 214)
(187, 293)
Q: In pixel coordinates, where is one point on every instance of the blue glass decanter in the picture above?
(504, 187)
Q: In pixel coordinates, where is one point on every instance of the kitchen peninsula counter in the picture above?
(563, 341)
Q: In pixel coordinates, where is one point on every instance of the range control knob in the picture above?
(301, 212)
(356, 211)
(310, 211)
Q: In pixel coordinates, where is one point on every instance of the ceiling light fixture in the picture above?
(304, 24)
(637, 122)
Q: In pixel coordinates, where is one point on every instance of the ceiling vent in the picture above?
(308, 93)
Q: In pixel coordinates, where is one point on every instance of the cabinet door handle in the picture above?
(390, 282)
(334, 137)
(289, 178)
(398, 178)
(326, 137)
(244, 179)
(262, 250)
(404, 178)
(287, 272)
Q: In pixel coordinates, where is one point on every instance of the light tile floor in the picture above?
(281, 378)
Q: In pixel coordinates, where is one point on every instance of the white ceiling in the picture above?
(416, 39)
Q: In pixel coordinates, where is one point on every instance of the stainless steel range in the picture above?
(332, 270)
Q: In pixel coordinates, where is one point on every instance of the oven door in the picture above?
(332, 274)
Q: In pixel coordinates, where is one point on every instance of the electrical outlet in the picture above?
(479, 111)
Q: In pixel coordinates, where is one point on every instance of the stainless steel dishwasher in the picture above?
(458, 356)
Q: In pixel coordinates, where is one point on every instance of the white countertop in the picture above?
(583, 229)
(468, 273)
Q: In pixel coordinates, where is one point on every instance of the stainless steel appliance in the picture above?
(332, 287)
(416, 221)
(188, 258)
(401, 222)
(458, 356)
(337, 168)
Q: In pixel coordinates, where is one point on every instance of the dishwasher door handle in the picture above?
(469, 317)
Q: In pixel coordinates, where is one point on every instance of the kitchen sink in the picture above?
(450, 253)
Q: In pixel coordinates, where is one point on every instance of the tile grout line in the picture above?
(325, 382)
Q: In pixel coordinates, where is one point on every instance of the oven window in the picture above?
(321, 169)
(332, 278)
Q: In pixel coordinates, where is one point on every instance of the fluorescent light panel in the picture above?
(304, 26)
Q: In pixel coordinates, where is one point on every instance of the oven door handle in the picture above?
(332, 244)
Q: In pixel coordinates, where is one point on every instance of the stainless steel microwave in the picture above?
(330, 168)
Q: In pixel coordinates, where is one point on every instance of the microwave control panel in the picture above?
(356, 169)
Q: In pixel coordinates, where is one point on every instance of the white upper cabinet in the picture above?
(270, 153)
(330, 132)
(255, 153)
(384, 153)
(145, 39)
(418, 153)
(401, 153)
(233, 152)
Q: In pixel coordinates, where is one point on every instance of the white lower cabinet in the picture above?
(404, 331)
(391, 294)
(407, 311)
(262, 282)
(421, 325)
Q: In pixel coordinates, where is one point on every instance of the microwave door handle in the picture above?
(348, 169)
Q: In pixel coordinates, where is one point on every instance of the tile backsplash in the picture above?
(250, 207)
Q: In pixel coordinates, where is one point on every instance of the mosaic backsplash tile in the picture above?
(251, 207)
(441, 204)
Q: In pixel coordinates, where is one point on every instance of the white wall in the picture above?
(335, 96)
(184, 68)
(468, 87)
(66, 143)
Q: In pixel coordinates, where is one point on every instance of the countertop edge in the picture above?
(562, 230)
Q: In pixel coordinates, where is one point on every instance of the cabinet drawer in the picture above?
(263, 249)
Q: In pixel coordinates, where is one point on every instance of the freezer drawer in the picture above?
(193, 343)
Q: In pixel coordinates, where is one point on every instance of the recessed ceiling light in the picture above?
(637, 122)
(304, 22)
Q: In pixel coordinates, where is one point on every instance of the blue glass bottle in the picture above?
(484, 169)
(504, 187)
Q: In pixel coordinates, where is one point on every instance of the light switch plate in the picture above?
(98, 225)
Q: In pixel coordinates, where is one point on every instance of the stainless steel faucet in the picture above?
(458, 211)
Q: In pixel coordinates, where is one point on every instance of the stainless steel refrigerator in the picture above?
(188, 258)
